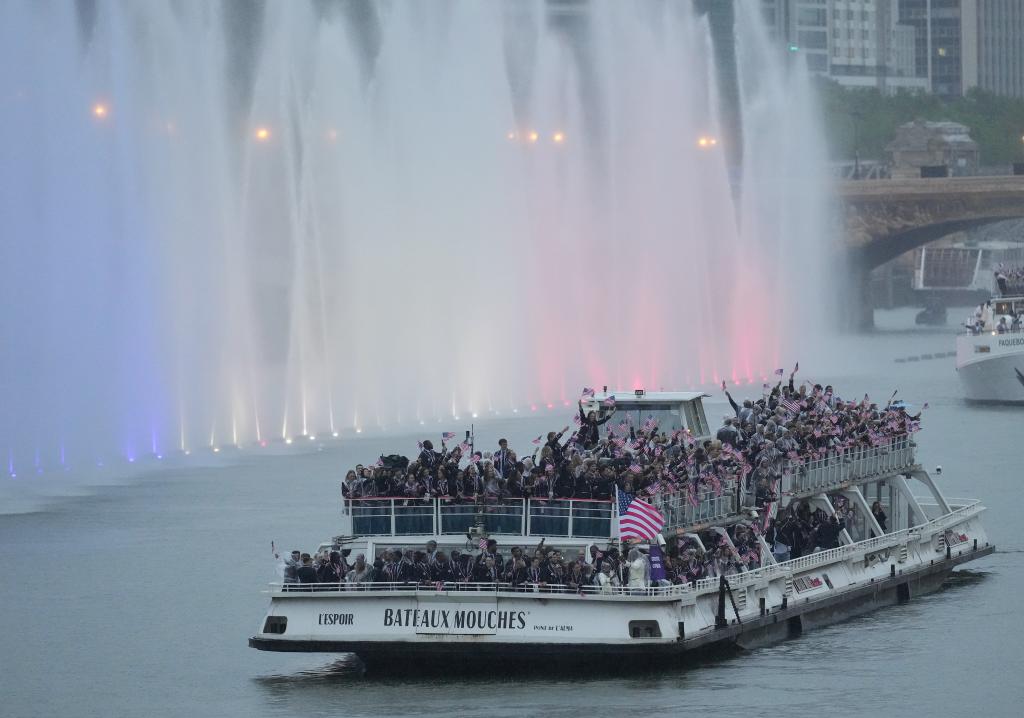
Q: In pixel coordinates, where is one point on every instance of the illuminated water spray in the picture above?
(301, 212)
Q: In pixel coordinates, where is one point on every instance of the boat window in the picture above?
(644, 629)
(696, 421)
(275, 624)
(667, 415)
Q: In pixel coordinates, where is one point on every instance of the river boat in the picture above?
(387, 624)
(990, 362)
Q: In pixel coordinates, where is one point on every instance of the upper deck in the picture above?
(597, 519)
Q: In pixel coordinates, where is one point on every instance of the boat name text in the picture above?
(336, 619)
(440, 618)
(1015, 342)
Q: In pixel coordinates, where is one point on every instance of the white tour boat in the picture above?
(990, 360)
(384, 623)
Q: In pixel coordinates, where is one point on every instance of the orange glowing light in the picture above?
(558, 138)
(533, 136)
(262, 134)
(99, 110)
(706, 141)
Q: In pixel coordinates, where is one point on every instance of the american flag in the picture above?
(610, 401)
(538, 439)
(587, 391)
(654, 488)
(780, 372)
(463, 447)
(637, 518)
(635, 468)
(791, 406)
(446, 435)
(482, 544)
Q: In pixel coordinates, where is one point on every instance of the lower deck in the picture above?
(387, 622)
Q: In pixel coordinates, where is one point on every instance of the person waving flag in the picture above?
(637, 518)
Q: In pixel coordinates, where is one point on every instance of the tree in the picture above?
(866, 120)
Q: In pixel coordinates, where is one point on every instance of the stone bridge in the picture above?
(882, 219)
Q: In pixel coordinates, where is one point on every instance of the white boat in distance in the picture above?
(990, 359)
(496, 623)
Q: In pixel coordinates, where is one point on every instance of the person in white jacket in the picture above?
(607, 579)
(639, 569)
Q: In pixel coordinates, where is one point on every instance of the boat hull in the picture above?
(876, 582)
(991, 367)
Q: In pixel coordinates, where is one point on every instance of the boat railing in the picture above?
(401, 516)
(828, 556)
(846, 467)
(477, 587)
(680, 510)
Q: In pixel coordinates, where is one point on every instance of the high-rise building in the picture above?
(999, 27)
(870, 48)
(858, 43)
(938, 44)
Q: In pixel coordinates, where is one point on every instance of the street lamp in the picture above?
(857, 115)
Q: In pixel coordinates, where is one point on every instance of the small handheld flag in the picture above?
(779, 372)
(538, 439)
(445, 436)
(587, 391)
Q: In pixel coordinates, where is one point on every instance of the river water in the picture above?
(138, 599)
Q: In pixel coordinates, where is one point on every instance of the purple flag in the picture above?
(657, 565)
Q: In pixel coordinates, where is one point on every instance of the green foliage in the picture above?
(867, 119)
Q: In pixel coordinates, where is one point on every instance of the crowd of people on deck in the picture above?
(781, 431)
(706, 554)
(985, 319)
(1010, 281)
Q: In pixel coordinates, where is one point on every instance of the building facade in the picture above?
(1000, 46)
(941, 46)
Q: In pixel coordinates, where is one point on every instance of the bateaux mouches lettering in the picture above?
(464, 619)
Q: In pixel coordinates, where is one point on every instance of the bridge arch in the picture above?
(878, 253)
(885, 218)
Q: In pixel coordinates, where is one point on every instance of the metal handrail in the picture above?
(840, 468)
(580, 516)
(680, 511)
(479, 587)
